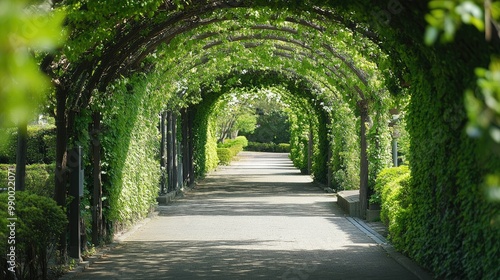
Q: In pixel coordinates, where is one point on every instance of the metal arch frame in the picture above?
(75, 87)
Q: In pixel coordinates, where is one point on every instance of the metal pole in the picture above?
(395, 152)
(363, 186)
(76, 186)
(163, 154)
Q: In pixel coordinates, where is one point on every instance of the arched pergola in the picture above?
(328, 52)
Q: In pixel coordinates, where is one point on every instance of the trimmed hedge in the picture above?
(235, 145)
(230, 148)
(268, 147)
(40, 222)
(225, 156)
(393, 187)
(41, 145)
(39, 178)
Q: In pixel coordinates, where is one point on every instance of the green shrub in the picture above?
(8, 147)
(241, 140)
(268, 147)
(235, 150)
(40, 145)
(225, 155)
(388, 175)
(283, 148)
(39, 178)
(38, 226)
(49, 141)
(234, 145)
(392, 186)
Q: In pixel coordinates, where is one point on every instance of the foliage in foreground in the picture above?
(39, 223)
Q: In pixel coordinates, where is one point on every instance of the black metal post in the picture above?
(163, 153)
(191, 148)
(170, 154)
(175, 178)
(75, 191)
(185, 146)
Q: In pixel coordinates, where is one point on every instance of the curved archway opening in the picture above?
(351, 58)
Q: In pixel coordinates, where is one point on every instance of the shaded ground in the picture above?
(256, 219)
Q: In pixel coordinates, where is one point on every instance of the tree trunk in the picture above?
(61, 158)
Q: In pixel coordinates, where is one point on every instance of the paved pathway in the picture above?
(256, 219)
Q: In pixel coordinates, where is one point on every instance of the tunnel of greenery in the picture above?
(342, 67)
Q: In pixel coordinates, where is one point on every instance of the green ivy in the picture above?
(131, 143)
(334, 55)
(345, 149)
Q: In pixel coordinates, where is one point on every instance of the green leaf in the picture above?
(431, 35)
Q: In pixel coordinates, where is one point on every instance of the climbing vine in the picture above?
(130, 142)
(331, 55)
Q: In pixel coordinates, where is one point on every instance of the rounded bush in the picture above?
(225, 156)
(39, 178)
(38, 225)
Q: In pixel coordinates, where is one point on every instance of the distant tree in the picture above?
(234, 113)
(271, 127)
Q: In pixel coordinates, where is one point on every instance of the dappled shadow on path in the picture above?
(250, 221)
(234, 259)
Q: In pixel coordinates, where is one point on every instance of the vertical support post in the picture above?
(174, 152)
(163, 153)
(180, 166)
(395, 151)
(329, 170)
(310, 151)
(395, 134)
(97, 224)
(75, 191)
(191, 148)
(22, 150)
(330, 155)
(185, 146)
(170, 152)
(363, 182)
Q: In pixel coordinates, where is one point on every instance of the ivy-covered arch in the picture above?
(448, 218)
(294, 88)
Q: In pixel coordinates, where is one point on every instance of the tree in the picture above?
(234, 113)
